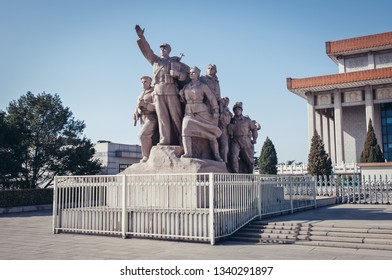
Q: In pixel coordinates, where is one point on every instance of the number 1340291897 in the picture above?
(243, 270)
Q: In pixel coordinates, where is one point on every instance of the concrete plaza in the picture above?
(29, 236)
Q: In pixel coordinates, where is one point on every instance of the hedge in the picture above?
(25, 197)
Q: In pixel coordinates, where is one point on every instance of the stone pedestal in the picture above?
(167, 160)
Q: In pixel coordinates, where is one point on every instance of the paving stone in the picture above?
(28, 236)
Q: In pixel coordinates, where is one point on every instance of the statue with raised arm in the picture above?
(243, 134)
(145, 111)
(167, 73)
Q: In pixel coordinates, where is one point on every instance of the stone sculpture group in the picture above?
(183, 108)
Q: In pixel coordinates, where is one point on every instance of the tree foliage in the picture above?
(319, 163)
(50, 141)
(268, 158)
(11, 154)
(371, 151)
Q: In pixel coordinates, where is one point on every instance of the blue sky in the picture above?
(86, 52)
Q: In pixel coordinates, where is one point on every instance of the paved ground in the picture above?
(28, 236)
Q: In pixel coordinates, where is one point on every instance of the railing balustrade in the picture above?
(200, 207)
(356, 189)
(197, 207)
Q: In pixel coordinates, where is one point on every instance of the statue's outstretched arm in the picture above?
(144, 46)
(139, 31)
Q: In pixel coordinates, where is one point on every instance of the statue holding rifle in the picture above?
(145, 112)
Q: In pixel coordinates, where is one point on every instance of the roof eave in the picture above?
(302, 91)
(335, 55)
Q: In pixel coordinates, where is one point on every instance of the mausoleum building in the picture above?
(341, 105)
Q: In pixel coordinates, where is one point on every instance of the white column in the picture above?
(325, 128)
(342, 68)
(332, 139)
(319, 123)
(338, 112)
(311, 117)
(369, 105)
(371, 64)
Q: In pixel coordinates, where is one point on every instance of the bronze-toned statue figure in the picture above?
(224, 120)
(168, 71)
(185, 116)
(243, 135)
(211, 80)
(201, 118)
(145, 111)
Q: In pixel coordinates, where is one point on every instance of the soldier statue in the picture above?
(243, 134)
(145, 111)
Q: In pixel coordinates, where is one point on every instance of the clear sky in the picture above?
(86, 52)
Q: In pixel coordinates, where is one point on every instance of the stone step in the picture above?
(345, 245)
(320, 234)
(258, 230)
(267, 236)
(263, 240)
(345, 234)
(271, 227)
(346, 239)
(346, 229)
(338, 225)
(330, 238)
(377, 241)
(264, 223)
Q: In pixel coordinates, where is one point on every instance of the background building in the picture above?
(116, 157)
(341, 105)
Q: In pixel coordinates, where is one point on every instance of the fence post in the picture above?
(315, 191)
(291, 195)
(124, 216)
(211, 208)
(55, 213)
(258, 190)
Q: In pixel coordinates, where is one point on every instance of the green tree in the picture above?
(10, 154)
(51, 140)
(371, 151)
(268, 158)
(319, 163)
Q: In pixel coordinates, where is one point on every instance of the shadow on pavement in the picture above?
(40, 213)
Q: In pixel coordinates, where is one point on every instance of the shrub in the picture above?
(26, 197)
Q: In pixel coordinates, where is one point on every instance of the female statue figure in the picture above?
(201, 114)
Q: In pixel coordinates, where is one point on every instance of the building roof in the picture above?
(341, 80)
(362, 44)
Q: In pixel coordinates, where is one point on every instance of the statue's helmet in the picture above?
(147, 78)
(238, 105)
(167, 46)
(196, 69)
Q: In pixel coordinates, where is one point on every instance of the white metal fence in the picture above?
(356, 189)
(201, 207)
(198, 207)
(302, 169)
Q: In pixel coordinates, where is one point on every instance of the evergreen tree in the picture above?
(50, 141)
(319, 162)
(268, 159)
(371, 151)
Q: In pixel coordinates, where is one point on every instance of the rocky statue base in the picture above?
(167, 160)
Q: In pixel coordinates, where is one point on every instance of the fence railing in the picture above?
(201, 207)
(198, 207)
(356, 189)
(302, 169)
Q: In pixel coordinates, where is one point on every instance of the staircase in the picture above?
(261, 232)
(358, 236)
